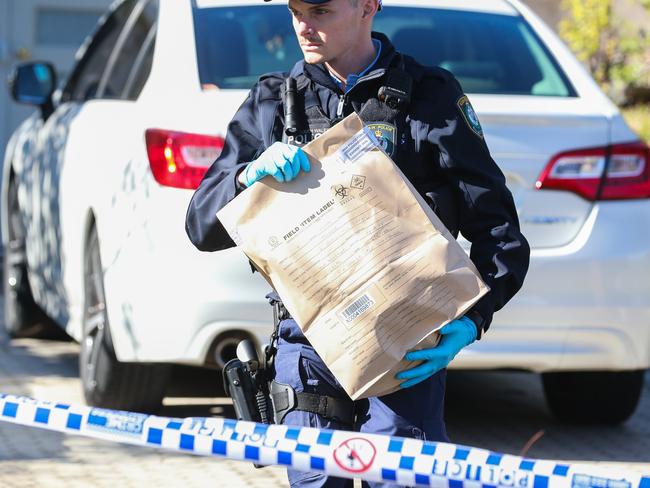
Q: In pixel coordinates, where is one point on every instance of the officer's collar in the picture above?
(352, 78)
(320, 74)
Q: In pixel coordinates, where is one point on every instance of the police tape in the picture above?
(343, 454)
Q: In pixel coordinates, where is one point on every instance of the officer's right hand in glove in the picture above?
(282, 161)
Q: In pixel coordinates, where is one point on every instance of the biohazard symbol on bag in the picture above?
(355, 455)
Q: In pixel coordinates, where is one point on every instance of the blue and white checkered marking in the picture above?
(399, 460)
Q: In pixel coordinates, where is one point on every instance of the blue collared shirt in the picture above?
(353, 78)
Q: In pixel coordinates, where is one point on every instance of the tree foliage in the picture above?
(616, 51)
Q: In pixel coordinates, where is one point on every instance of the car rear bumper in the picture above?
(584, 306)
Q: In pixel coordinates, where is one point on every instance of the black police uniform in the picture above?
(438, 143)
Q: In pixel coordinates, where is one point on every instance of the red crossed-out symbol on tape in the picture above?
(355, 455)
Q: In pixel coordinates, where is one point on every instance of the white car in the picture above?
(97, 182)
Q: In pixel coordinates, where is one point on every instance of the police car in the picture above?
(97, 181)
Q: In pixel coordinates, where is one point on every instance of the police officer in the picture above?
(428, 127)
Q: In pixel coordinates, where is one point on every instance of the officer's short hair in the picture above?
(354, 3)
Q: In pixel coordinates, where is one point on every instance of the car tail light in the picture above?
(179, 159)
(617, 172)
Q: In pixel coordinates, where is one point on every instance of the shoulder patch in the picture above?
(385, 134)
(469, 115)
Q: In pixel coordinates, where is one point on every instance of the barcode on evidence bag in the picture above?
(362, 142)
(360, 305)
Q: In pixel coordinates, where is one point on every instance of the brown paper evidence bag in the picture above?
(363, 265)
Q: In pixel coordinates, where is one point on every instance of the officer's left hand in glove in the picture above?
(454, 336)
(282, 161)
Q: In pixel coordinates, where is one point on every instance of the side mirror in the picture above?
(33, 83)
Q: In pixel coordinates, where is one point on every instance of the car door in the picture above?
(99, 182)
(42, 172)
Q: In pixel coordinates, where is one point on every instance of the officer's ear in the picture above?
(368, 8)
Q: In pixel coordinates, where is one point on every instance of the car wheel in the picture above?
(107, 382)
(23, 318)
(598, 397)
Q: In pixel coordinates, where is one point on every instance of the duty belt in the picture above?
(285, 399)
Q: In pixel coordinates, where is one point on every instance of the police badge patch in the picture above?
(469, 115)
(385, 134)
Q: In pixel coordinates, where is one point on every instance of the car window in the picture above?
(488, 53)
(129, 44)
(141, 67)
(235, 45)
(85, 78)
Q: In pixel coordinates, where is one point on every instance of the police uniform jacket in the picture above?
(436, 141)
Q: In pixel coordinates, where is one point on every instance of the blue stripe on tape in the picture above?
(540, 481)
(388, 474)
(10, 410)
(526, 465)
(395, 445)
(252, 453)
(74, 421)
(62, 406)
(154, 436)
(461, 454)
(302, 447)
(455, 484)
(219, 447)
(292, 433)
(324, 438)
(42, 415)
(187, 442)
(493, 459)
(477, 472)
(406, 462)
(560, 470)
(229, 424)
(285, 458)
(422, 479)
(317, 463)
(174, 425)
(99, 420)
(428, 449)
(645, 482)
(260, 429)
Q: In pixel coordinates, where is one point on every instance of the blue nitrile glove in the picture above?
(455, 335)
(282, 161)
